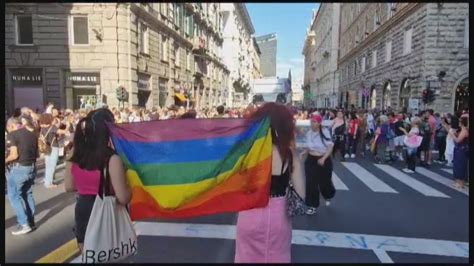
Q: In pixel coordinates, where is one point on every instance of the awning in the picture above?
(180, 96)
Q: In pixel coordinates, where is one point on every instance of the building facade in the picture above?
(268, 47)
(323, 39)
(391, 52)
(309, 75)
(238, 46)
(65, 52)
(256, 53)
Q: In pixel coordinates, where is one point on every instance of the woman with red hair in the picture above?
(264, 234)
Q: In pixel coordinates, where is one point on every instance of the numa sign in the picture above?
(113, 254)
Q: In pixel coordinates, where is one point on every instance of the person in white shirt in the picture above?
(449, 152)
(318, 165)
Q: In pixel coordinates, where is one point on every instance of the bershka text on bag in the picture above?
(126, 249)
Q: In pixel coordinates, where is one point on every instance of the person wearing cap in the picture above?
(318, 165)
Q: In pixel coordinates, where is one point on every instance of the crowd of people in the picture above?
(387, 133)
(82, 134)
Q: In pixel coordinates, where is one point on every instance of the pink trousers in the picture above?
(264, 234)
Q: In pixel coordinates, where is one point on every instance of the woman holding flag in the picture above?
(264, 234)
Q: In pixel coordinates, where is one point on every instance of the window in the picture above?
(391, 10)
(355, 68)
(466, 33)
(388, 51)
(24, 30)
(407, 41)
(363, 65)
(188, 60)
(171, 12)
(177, 57)
(374, 59)
(144, 39)
(164, 48)
(79, 30)
(376, 20)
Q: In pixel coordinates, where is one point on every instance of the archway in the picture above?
(461, 95)
(373, 97)
(404, 95)
(386, 95)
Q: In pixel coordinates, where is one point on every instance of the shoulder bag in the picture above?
(110, 235)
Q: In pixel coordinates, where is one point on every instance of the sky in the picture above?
(289, 22)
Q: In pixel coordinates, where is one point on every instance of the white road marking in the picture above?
(411, 182)
(379, 244)
(440, 179)
(315, 238)
(368, 179)
(449, 171)
(338, 184)
(383, 256)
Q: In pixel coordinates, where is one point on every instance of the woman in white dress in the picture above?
(453, 127)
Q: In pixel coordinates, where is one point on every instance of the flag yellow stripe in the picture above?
(174, 196)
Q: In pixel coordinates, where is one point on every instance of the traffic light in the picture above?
(118, 93)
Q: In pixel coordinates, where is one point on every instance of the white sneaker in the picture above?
(449, 165)
(400, 158)
(328, 203)
(21, 230)
(353, 156)
(406, 170)
(346, 156)
(311, 211)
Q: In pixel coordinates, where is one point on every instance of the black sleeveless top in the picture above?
(280, 182)
(340, 130)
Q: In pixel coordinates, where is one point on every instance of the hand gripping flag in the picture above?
(193, 167)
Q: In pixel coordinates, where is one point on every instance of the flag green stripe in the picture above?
(191, 172)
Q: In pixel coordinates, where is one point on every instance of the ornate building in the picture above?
(391, 52)
(65, 52)
(322, 50)
(238, 47)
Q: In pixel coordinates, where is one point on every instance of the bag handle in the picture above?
(104, 185)
(47, 133)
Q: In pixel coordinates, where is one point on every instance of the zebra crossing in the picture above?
(368, 177)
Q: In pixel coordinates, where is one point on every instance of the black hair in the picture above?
(464, 121)
(91, 140)
(220, 109)
(454, 122)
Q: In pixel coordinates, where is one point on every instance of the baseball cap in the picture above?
(316, 118)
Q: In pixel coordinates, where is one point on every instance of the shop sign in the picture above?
(83, 78)
(27, 77)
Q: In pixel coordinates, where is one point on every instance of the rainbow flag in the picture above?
(193, 167)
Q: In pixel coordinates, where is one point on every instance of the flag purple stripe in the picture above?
(189, 129)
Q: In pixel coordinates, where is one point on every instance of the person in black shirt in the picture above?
(399, 136)
(21, 174)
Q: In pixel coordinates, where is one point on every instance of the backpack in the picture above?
(43, 146)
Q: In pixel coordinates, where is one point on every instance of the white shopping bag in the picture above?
(110, 235)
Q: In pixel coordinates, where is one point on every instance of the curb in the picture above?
(62, 254)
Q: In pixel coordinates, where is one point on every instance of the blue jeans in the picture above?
(411, 158)
(20, 192)
(51, 161)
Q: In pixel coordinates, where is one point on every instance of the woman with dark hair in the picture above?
(318, 165)
(92, 153)
(338, 132)
(264, 234)
(50, 131)
(352, 134)
(461, 152)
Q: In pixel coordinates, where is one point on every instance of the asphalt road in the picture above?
(379, 214)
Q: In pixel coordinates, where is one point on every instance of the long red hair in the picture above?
(282, 127)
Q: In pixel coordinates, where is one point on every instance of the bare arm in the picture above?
(13, 155)
(459, 138)
(119, 181)
(68, 182)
